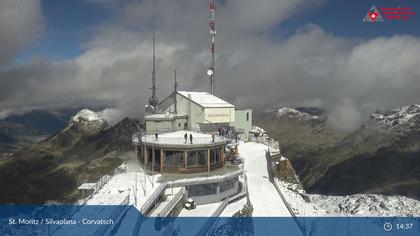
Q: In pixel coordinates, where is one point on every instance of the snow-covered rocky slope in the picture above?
(403, 118)
(304, 204)
(89, 121)
(295, 114)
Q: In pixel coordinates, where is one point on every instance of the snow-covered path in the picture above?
(264, 197)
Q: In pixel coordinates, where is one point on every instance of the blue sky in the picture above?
(70, 23)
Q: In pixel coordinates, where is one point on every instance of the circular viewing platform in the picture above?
(172, 153)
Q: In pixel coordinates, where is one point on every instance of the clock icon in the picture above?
(387, 226)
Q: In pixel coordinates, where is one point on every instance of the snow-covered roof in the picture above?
(163, 116)
(87, 186)
(177, 138)
(205, 99)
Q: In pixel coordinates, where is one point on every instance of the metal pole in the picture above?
(153, 164)
(212, 39)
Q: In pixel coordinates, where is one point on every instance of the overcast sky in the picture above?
(270, 54)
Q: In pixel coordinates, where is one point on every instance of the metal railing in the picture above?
(172, 203)
(266, 141)
(100, 183)
(151, 201)
(181, 140)
(205, 228)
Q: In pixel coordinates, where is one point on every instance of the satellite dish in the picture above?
(210, 72)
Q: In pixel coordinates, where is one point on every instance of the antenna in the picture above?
(175, 90)
(175, 83)
(153, 100)
(211, 70)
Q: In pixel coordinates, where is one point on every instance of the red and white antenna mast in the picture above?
(211, 70)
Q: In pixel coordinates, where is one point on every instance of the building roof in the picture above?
(205, 99)
(163, 116)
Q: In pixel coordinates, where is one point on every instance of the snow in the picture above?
(88, 115)
(87, 186)
(122, 185)
(162, 116)
(292, 113)
(397, 117)
(233, 207)
(368, 205)
(352, 205)
(206, 99)
(264, 197)
(89, 121)
(205, 210)
(293, 194)
(177, 138)
(258, 130)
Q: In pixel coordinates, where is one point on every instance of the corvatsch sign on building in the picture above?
(219, 115)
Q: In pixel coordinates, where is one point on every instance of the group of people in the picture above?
(186, 138)
(223, 131)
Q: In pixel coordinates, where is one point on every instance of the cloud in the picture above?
(345, 116)
(254, 70)
(21, 22)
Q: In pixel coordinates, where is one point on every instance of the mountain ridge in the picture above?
(375, 158)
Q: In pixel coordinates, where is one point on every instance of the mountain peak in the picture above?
(89, 121)
(403, 116)
(87, 115)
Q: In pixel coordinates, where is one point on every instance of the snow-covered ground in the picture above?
(263, 195)
(367, 205)
(124, 184)
(177, 138)
(293, 195)
(294, 114)
(205, 210)
(233, 207)
(352, 205)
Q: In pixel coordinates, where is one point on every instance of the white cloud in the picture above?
(21, 22)
(253, 70)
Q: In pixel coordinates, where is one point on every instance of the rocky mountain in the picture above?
(382, 156)
(32, 126)
(299, 114)
(305, 204)
(87, 148)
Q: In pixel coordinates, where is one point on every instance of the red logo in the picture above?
(373, 15)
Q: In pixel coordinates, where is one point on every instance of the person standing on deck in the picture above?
(191, 138)
(186, 137)
(156, 136)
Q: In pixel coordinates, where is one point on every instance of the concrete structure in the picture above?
(172, 153)
(163, 123)
(200, 107)
(243, 122)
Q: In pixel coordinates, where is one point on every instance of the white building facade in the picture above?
(198, 111)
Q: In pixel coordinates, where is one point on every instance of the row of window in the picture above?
(195, 158)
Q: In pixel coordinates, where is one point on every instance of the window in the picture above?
(202, 189)
(247, 116)
(197, 158)
(179, 125)
(214, 156)
(227, 185)
(174, 159)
